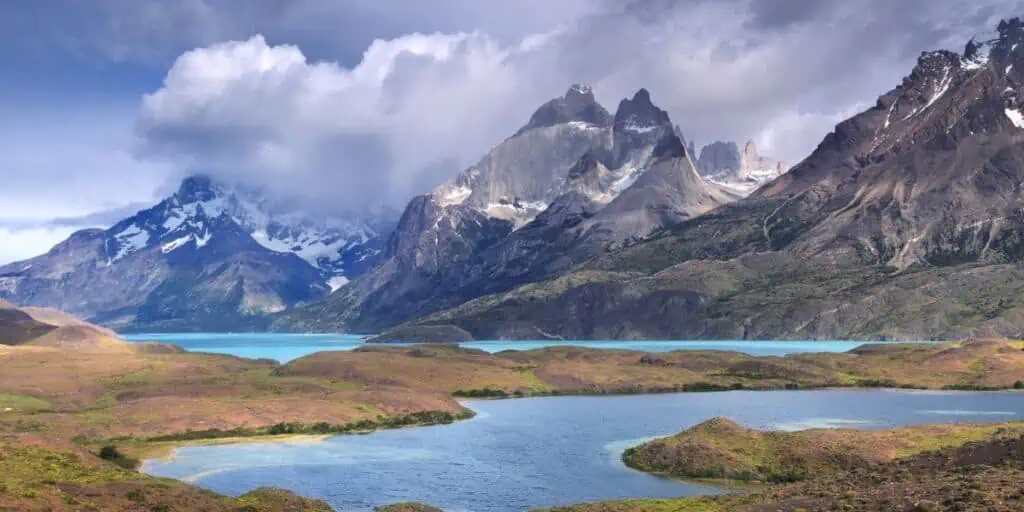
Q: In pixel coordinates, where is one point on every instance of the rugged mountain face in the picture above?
(722, 162)
(208, 257)
(905, 222)
(571, 184)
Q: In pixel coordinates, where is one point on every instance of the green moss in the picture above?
(21, 403)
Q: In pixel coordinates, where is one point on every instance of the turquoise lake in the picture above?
(285, 347)
(539, 452)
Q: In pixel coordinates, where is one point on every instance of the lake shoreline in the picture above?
(455, 450)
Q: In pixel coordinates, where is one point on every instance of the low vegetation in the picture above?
(113, 408)
(721, 449)
(938, 469)
(422, 418)
(38, 476)
(465, 373)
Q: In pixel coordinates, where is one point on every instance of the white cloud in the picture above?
(413, 110)
(418, 108)
(25, 243)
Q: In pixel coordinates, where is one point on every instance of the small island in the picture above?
(915, 469)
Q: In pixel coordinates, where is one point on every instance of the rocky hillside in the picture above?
(208, 257)
(573, 183)
(904, 223)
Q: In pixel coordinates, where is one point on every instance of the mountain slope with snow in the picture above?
(906, 222)
(573, 183)
(209, 256)
(723, 163)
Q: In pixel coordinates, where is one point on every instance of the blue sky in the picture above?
(106, 104)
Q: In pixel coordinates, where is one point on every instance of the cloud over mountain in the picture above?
(416, 108)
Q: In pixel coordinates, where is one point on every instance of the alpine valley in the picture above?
(904, 223)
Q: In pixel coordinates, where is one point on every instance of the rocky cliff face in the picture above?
(723, 163)
(208, 257)
(570, 185)
(905, 222)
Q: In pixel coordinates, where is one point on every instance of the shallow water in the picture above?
(285, 347)
(536, 452)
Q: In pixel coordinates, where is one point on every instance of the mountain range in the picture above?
(218, 256)
(573, 183)
(209, 257)
(904, 223)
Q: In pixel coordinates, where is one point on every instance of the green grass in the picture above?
(42, 477)
(22, 403)
(721, 449)
(647, 505)
(406, 420)
(26, 470)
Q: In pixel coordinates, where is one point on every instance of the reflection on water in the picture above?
(809, 423)
(285, 347)
(967, 412)
(537, 452)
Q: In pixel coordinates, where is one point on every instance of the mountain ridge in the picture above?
(208, 256)
(513, 218)
(903, 223)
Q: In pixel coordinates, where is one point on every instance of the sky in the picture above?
(350, 106)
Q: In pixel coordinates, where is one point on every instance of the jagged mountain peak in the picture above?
(1011, 30)
(576, 105)
(580, 91)
(743, 171)
(196, 188)
(750, 149)
(639, 115)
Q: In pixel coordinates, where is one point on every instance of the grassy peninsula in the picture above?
(914, 469)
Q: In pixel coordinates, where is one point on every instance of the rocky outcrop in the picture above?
(723, 163)
(577, 105)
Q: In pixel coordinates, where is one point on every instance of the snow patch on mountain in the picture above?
(176, 243)
(640, 125)
(1015, 117)
(452, 195)
(743, 172)
(337, 282)
(131, 239)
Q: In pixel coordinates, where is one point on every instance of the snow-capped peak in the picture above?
(190, 218)
(977, 54)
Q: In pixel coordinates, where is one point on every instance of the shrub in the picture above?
(110, 453)
(1019, 384)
